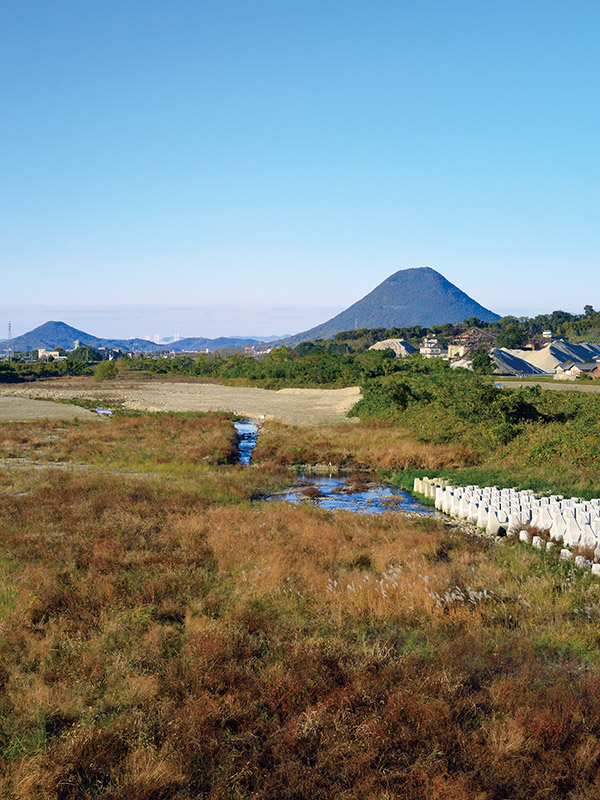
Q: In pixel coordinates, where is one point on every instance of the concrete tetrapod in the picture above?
(572, 521)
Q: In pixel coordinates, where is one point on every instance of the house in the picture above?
(431, 348)
(570, 371)
(46, 355)
(456, 351)
(472, 339)
(111, 353)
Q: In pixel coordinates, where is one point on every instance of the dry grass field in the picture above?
(164, 635)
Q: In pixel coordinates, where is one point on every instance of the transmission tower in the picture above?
(9, 341)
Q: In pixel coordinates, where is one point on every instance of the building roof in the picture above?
(559, 352)
(507, 363)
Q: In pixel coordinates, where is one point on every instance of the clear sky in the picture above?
(237, 167)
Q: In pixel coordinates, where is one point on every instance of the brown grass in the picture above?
(171, 639)
(363, 446)
(124, 441)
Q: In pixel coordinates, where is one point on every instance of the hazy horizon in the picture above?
(214, 322)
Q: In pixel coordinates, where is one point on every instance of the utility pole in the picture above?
(9, 342)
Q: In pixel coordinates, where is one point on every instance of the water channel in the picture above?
(247, 433)
(349, 495)
(354, 493)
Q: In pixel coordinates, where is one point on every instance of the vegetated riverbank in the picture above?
(164, 635)
(546, 441)
(435, 421)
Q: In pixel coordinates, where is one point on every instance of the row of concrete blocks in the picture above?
(572, 521)
(565, 555)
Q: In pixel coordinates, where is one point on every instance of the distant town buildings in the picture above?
(430, 348)
(570, 372)
(50, 355)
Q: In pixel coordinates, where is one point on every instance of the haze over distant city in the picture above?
(252, 169)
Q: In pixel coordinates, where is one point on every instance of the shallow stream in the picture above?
(346, 494)
(247, 433)
(350, 494)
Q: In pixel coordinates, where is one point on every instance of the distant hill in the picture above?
(417, 296)
(197, 343)
(59, 334)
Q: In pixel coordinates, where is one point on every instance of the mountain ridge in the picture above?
(414, 296)
(56, 333)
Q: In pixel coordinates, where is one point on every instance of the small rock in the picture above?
(595, 569)
(524, 536)
(566, 555)
(538, 542)
(549, 545)
(582, 562)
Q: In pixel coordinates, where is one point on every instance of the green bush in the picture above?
(105, 371)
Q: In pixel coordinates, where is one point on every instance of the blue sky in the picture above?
(252, 168)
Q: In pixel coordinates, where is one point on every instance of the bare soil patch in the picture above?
(292, 406)
(23, 408)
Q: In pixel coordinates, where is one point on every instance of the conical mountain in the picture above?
(416, 296)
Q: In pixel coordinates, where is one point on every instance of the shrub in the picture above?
(105, 371)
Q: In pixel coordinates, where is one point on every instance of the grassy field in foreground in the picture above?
(164, 636)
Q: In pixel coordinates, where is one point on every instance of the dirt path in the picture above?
(293, 406)
(556, 386)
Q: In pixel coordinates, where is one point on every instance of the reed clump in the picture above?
(365, 446)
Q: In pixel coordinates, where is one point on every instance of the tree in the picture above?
(281, 353)
(588, 310)
(105, 371)
(482, 363)
(83, 355)
(512, 338)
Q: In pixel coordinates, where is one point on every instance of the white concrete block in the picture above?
(454, 506)
(558, 529)
(515, 523)
(493, 525)
(538, 542)
(473, 512)
(447, 501)
(588, 537)
(482, 516)
(439, 494)
(524, 536)
(566, 555)
(573, 533)
(544, 519)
